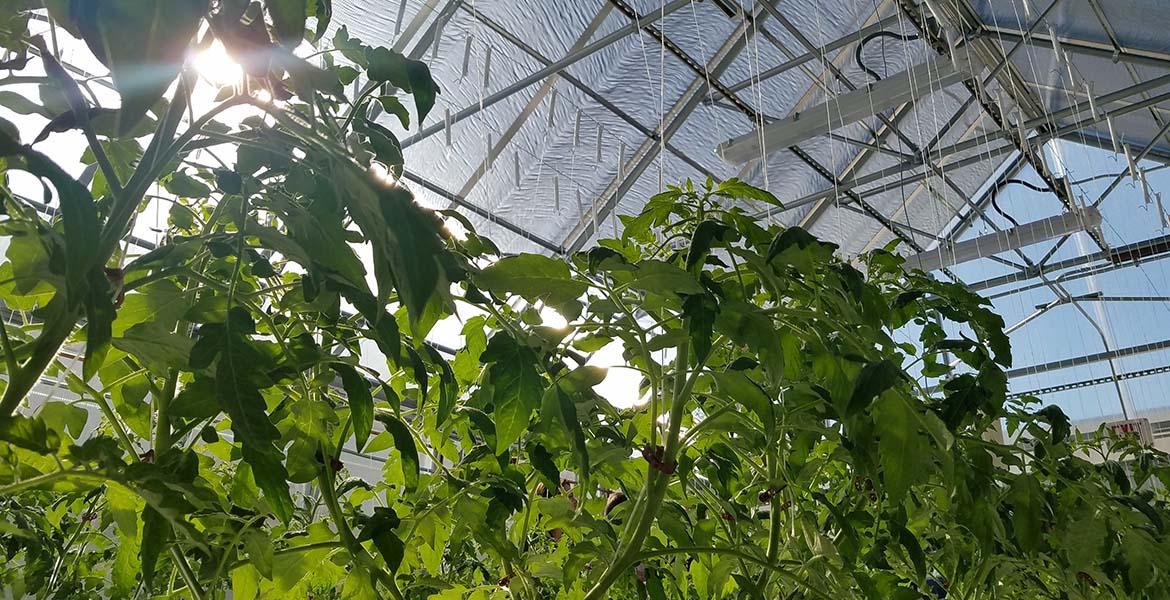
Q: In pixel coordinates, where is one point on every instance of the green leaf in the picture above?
(259, 548)
(186, 186)
(380, 529)
(64, 418)
(905, 454)
(238, 394)
(21, 105)
(156, 535)
(156, 348)
(405, 238)
(406, 74)
(799, 248)
(143, 42)
(361, 402)
(535, 278)
(917, 556)
(740, 388)
(392, 105)
(288, 22)
(703, 239)
(29, 433)
(658, 277)
(875, 378)
(542, 461)
(583, 378)
(516, 387)
(736, 189)
(99, 318)
(568, 413)
(387, 149)
(1027, 501)
(79, 214)
(404, 443)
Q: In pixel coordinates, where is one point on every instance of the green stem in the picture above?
(47, 478)
(9, 355)
(162, 414)
(354, 547)
(186, 573)
(291, 550)
(656, 482)
(774, 523)
(44, 350)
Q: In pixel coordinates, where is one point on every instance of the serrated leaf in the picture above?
(259, 548)
(404, 443)
(534, 277)
(905, 454)
(516, 387)
(288, 22)
(658, 277)
(392, 105)
(143, 42)
(361, 402)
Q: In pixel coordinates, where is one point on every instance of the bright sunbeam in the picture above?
(217, 67)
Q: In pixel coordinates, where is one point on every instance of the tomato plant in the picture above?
(802, 427)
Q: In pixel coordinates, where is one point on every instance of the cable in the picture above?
(1002, 184)
(888, 34)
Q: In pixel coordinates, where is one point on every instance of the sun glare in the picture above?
(217, 67)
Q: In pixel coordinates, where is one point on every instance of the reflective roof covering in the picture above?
(558, 115)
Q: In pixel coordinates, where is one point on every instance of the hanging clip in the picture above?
(401, 18)
(552, 106)
(487, 66)
(1133, 170)
(1112, 134)
(516, 167)
(577, 129)
(557, 192)
(598, 144)
(466, 57)
(447, 126)
(490, 160)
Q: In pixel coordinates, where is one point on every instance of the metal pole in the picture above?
(690, 99)
(556, 67)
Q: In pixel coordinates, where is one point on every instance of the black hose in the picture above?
(999, 186)
(888, 34)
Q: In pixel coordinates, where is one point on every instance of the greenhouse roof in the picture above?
(556, 118)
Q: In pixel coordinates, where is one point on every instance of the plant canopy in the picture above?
(804, 426)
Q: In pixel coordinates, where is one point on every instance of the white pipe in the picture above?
(1023, 236)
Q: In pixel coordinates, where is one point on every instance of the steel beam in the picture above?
(585, 89)
(690, 99)
(482, 212)
(852, 38)
(1064, 387)
(556, 67)
(977, 141)
(1108, 355)
(533, 103)
(1119, 257)
(1146, 58)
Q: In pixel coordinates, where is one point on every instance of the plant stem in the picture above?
(773, 522)
(46, 478)
(656, 483)
(359, 554)
(53, 335)
(162, 414)
(291, 550)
